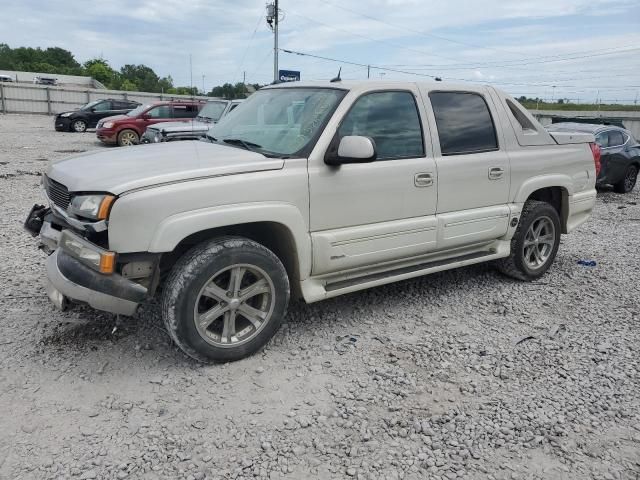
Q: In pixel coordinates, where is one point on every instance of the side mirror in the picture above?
(92, 109)
(351, 149)
(145, 116)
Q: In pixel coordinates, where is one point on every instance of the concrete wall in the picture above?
(630, 120)
(68, 80)
(25, 98)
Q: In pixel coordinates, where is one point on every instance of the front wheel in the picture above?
(628, 181)
(535, 243)
(79, 126)
(126, 138)
(225, 299)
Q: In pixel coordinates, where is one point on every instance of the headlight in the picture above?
(156, 138)
(95, 207)
(91, 255)
(68, 114)
(107, 124)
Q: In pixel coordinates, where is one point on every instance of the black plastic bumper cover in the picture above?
(114, 285)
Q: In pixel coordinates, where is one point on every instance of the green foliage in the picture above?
(229, 91)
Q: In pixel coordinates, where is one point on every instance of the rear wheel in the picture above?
(79, 126)
(535, 243)
(628, 181)
(126, 138)
(225, 299)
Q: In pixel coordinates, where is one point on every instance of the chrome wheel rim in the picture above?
(79, 126)
(539, 242)
(128, 138)
(630, 179)
(234, 305)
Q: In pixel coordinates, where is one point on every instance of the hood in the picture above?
(123, 169)
(113, 118)
(173, 127)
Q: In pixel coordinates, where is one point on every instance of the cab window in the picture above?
(391, 119)
(464, 123)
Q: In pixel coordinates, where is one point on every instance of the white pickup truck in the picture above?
(311, 190)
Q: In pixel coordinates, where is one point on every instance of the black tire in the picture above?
(183, 295)
(628, 182)
(516, 265)
(128, 137)
(78, 126)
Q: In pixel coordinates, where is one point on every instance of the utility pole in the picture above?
(191, 74)
(272, 20)
(368, 71)
(204, 92)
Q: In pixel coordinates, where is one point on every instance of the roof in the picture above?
(582, 127)
(351, 84)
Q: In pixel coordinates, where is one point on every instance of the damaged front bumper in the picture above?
(71, 278)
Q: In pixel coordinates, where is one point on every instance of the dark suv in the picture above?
(126, 130)
(88, 115)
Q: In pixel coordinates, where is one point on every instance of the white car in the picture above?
(311, 190)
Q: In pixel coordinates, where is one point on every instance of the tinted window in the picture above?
(391, 119)
(102, 106)
(162, 111)
(615, 138)
(185, 111)
(464, 123)
(602, 139)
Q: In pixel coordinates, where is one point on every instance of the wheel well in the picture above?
(275, 236)
(558, 198)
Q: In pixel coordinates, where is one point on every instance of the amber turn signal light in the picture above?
(105, 206)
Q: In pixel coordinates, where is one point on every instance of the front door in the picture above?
(382, 211)
(473, 169)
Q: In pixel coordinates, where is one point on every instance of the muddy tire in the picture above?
(127, 138)
(224, 299)
(535, 243)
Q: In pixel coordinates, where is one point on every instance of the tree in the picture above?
(102, 72)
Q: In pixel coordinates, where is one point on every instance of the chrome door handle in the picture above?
(423, 180)
(495, 173)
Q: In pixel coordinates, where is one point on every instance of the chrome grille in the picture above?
(57, 193)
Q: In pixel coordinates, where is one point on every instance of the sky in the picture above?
(581, 50)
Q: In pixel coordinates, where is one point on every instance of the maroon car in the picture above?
(125, 130)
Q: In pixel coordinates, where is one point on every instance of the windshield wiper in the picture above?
(238, 141)
(211, 139)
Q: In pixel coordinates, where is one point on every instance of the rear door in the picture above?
(473, 167)
(614, 158)
(383, 211)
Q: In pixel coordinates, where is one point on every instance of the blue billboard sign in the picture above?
(288, 76)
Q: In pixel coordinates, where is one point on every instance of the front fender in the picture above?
(172, 230)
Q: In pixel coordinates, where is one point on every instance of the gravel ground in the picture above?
(463, 374)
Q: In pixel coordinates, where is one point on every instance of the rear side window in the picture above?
(185, 111)
(391, 119)
(615, 138)
(521, 118)
(464, 123)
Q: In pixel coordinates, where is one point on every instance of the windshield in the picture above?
(278, 121)
(90, 104)
(137, 111)
(213, 110)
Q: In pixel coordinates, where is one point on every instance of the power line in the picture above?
(376, 67)
(418, 32)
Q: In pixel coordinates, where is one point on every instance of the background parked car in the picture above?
(620, 152)
(45, 80)
(125, 130)
(88, 115)
(196, 128)
(6, 78)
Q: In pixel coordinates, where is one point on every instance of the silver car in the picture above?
(210, 114)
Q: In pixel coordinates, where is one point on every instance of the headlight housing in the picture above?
(157, 137)
(67, 114)
(107, 125)
(94, 206)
